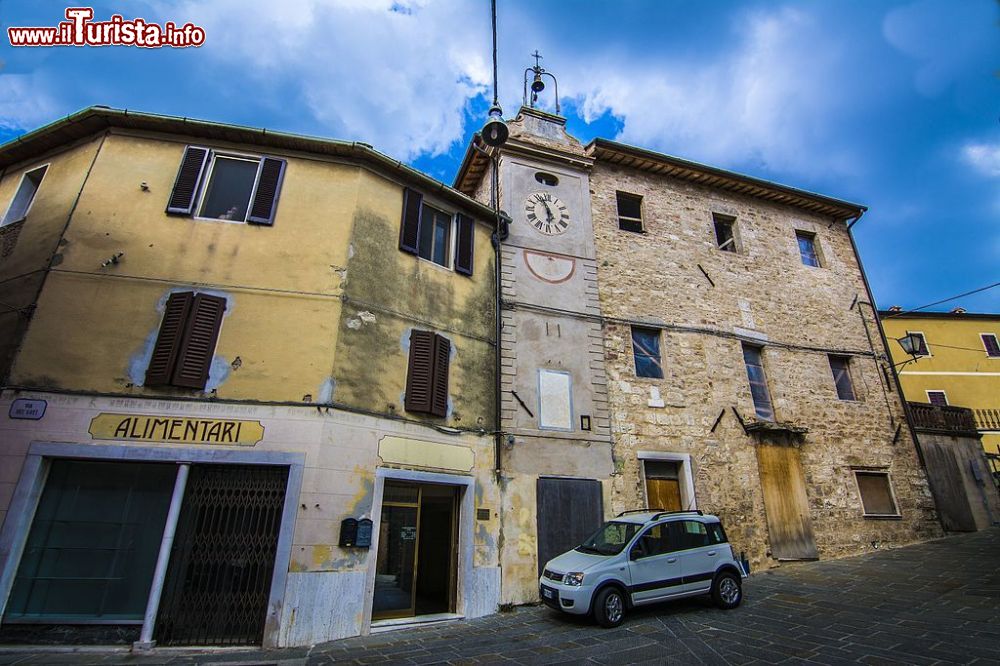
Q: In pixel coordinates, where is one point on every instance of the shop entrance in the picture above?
(416, 561)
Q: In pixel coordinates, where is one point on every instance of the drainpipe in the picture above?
(146, 641)
(885, 345)
(498, 323)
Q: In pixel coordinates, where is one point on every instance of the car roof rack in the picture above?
(625, 513)
(670, 513)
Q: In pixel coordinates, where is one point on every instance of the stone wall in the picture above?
(706, 302)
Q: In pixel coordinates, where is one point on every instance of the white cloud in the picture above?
(984, 157)
(25, 101)
(769, 98)
(398, 75)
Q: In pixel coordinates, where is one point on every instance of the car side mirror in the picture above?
(635, 553)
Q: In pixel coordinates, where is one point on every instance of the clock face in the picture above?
(546, 213)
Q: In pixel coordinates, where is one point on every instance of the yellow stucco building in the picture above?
(276, 350)
(958, 364)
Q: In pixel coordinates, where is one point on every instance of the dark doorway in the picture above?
(219, 579)
(569, 510)
(416, 560)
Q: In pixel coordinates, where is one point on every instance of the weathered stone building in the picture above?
(707, 281)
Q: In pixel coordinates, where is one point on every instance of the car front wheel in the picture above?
(609, 607)
(727, 591)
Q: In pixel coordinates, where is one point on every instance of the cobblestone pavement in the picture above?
(937, 602)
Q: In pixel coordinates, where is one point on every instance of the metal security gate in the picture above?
(569, 510)
(219, 579)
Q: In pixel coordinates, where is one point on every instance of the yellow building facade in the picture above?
(293, 335)
(959, 363)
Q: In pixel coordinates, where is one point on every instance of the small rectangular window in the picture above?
(991, 344)
(876, 494)
(646, 350)
(230, 184)
(807, 248)
(939, 398)
(629, 212)
(25, 195)
(724, 238)
(434, 243)
(758, 382)
(840, 365)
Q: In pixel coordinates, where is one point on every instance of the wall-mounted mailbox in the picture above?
(355, 533)
(364, 533)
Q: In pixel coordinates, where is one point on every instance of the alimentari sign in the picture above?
(140, 428)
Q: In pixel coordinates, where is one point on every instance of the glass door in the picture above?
(396, 562)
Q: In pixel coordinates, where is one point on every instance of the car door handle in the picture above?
(710, 553)
(671, 560)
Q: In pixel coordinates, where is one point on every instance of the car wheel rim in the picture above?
(729, 590)
(613, 607)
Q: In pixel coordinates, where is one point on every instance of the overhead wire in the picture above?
(943, 300)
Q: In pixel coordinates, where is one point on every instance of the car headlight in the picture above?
(574, 578)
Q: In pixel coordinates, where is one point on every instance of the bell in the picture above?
(495, 131)
(537, 85)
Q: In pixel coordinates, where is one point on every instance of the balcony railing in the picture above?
(943, 418)
(988, 419)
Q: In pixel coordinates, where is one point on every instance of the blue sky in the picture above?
(895, 105)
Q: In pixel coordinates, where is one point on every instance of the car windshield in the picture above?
(610, 539)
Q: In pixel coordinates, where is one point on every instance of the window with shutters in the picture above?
(877, 497)
(427, 374)
(182, 355)
(841, 367)
(991, 344)
(227, 186)
(435, 235)
(25, 195)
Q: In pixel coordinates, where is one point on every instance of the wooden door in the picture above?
(663, 494)
(786, 503)
(569, 511)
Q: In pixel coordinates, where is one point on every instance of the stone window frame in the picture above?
(732, 220)
(821, 261)
(684, 475)
(877, 471)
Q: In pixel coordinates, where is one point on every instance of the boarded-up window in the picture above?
(663, 487)
(840, 365)
(629, 212)
(876, 494)
(427, 374)
(185, 345)
(555, 408)
(236, 188)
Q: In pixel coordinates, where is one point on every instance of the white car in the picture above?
(644, 557)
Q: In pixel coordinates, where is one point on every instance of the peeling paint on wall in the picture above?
(326, 389)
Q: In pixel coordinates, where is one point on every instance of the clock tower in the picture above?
(556, 458)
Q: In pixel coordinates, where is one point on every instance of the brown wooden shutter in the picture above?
(439, 393)
(168, 342)
(186, 185)
(463, 249)
(420, 372)
(264, 202)
(195, 356)
(409, 227)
